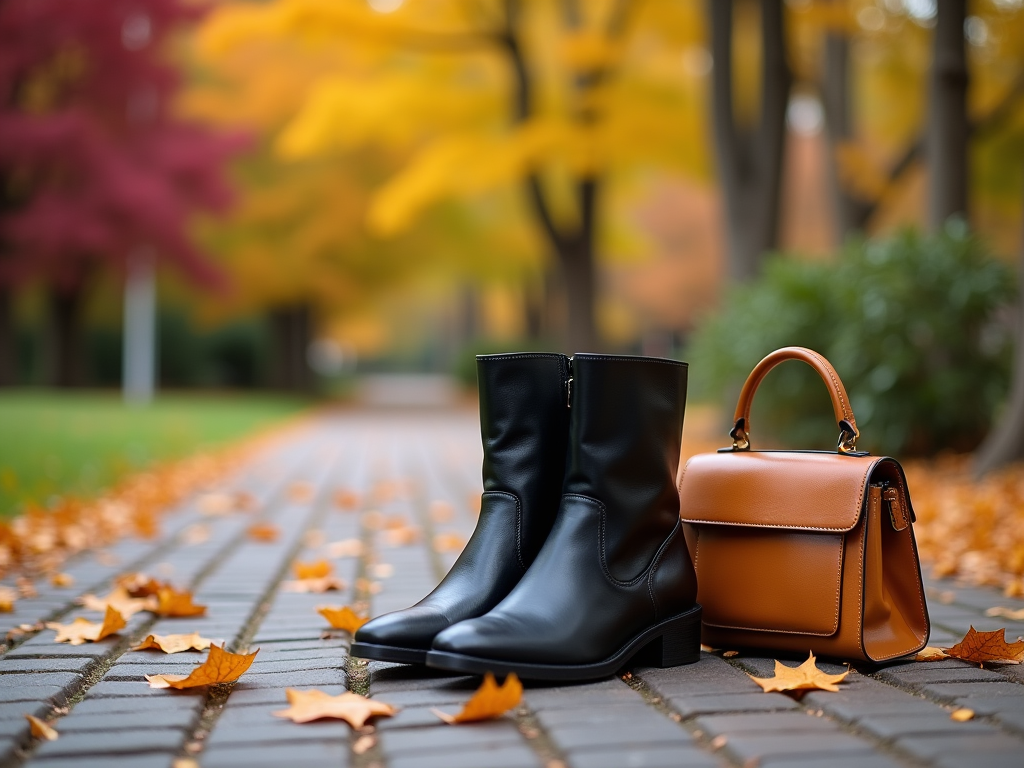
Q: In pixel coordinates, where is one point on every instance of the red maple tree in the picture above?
(94, 165)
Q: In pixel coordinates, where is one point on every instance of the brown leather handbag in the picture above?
(804, 550)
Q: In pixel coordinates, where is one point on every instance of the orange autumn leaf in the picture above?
(931, 653)
(489, 701)
(62, 580)
(174, 643)
(306, 706)
(448, 542)
(342, 617)
(299, 492)
(345, 499)
(264, 532)
(314, 586)
(987, 647)
(171, 602)
(806, 677)
(317, 570)
(119, 600)
(139, 585)
(82, 630)
(962, 715)
(220, 667)
(40, 729)
(8, 597)
(1006, 613)
(345, 548)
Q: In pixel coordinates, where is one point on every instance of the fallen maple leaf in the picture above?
(489, 701)
(62, 580)
(171, 602)
(402, 537)
(803, 678)
(306, 706)
(199, 533)
(264, 532)
(81, 630)
(931, 653)
(174, 643)
(8, 597)
(315, 586)
(218, 503)
(1006, 613)
(317, 570)
(987, 648)
(345, 548)
(26, 587)
(299, 492)
(220, 667)
(448, 542)
(342, 617)
(139, 584)
(345, 499)
(962, 715)
(120, 600)
(40, 729)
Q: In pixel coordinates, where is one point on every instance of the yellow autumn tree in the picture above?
(537, 102)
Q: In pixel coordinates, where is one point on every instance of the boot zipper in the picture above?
(568, 387)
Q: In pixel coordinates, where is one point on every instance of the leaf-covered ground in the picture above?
(81, 443)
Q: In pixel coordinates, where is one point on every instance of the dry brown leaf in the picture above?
(402, 537)
(217, 503)
(367, 586)
(306, 706)
(1006, 613)
(345, 548)
(448, 542)
(174, 643)
(730, 654)
(342, 617)
(382, 570)
(26, 587)
(8, 597)
(40, 729)
(62, 580)
(489, 701)
(931, 653)
(987, 648)
(364, 744)
(119, 599)
(82, 630)
(139, 585)
(806, 677)
(316, 570)
(708, 648)
(264, 532)
(346, 499)
(314, 586)
(196, 534)
(962, 715)
(172, 603)
(300, 492)
(220, 667)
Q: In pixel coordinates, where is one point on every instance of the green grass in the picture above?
(78, 443)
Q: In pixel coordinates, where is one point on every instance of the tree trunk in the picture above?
(579, 274)
(750, 158)
(8, 356)
(66, 353)
(948, 128)
(850, 212)
(1005, 442)
(292, 327)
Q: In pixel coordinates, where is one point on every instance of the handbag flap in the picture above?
(801, 491)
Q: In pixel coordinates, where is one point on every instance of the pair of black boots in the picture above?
(578, 563)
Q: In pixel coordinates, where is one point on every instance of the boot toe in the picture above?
(412, 628)
(485, 637)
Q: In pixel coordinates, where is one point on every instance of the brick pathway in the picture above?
(413, 465)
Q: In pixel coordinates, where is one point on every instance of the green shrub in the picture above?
(910, 323)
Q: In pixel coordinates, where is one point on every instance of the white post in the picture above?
(139, 328)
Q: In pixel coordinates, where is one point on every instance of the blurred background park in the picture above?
(215, 214)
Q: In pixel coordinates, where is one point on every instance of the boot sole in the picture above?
(670, 643)
(392, 653)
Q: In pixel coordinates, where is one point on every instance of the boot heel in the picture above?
(679, 643)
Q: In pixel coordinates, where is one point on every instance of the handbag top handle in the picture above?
(848, 432)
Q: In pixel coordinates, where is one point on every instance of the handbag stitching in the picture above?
(519, 524)
(634, 359)
(835, 620)
(523, 356)
(847, 412)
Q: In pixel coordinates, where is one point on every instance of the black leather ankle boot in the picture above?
(524, 423)
(614, 578)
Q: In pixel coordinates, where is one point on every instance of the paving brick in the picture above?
(120, 721)
(730, 702)
(652, 757)
(499, 757)
(830, 761)
(446, 738)
(118, 742)
(851, 706)
(940, 675)
(638, 711)
(408, 717)
(31, 693)
(977, 746)
(106, 761)
(762, 745)
(292, 755)
(315, 678)
(960, 690)
(897, 726)
(271, 729)
(113, 705)
(63, 664)
(246, 696)
(771, 722)
(137, 689)
(17, 710)
(653, 731)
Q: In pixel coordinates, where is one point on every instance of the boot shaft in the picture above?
(524, 428)
(626, 422)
